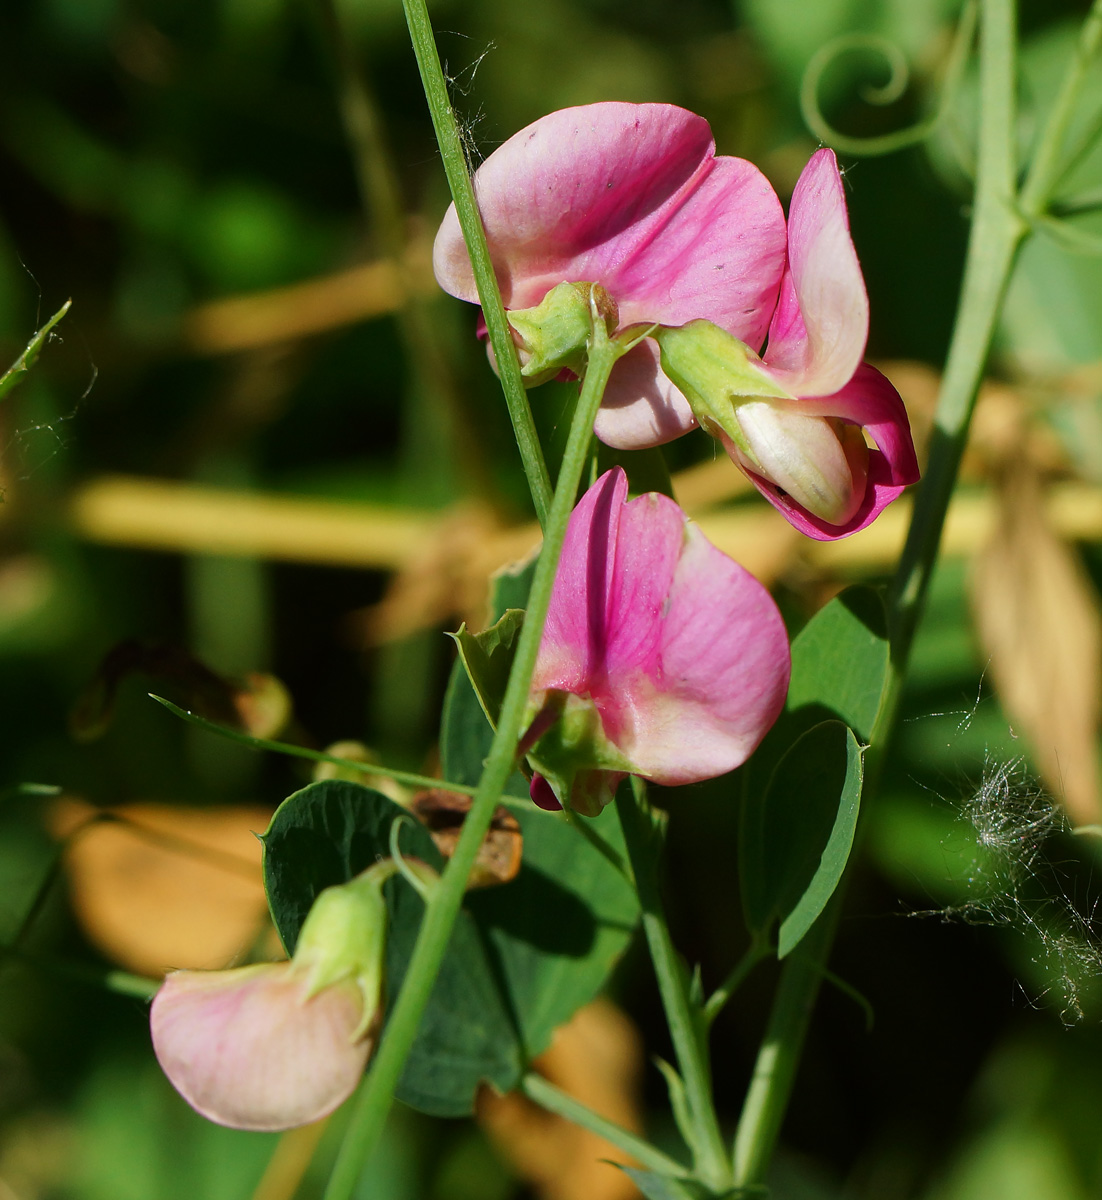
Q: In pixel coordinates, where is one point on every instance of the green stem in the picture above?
(996, 233)
(643, 836)
(554, 1100)
(1050, 163)
(779, 1056)
(466, 207)
(375, 1098)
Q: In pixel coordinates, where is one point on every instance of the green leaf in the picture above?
(801, 832)
(839, 669)
(840, 661)
(523, 957)
(488, 658)
(803, 767)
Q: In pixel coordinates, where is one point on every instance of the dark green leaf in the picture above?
(798, 835)
(832, 862)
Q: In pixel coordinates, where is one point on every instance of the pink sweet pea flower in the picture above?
(275, 1045)
(800, 441)
(661, 656)
(252, 1048)
(631, 197)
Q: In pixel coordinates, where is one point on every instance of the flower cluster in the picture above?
(762, 325)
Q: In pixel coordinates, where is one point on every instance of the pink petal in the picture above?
(247, 1049)
(870, 400)
(641, 407)
(818, 333)
(574, 193)
(630, 196)
(720, 675)
(574, 639)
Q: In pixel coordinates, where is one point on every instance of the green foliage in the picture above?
(488, 657)
(803, 786)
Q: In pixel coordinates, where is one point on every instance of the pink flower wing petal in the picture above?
(869, 400)
(246, 1049)
(818, 332)
(641, 407)
(723, 670)
(574, 194)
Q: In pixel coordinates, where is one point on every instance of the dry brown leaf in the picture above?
(157, 887)
(443, 814)
(597, 1057)
(1038, 619)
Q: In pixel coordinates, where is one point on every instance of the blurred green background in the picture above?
(158, 158)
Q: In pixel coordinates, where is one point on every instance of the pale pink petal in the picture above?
(722, 675)
(574, 194)
(870, 400)
(247, 1049)
(818, 333)
(641, 407)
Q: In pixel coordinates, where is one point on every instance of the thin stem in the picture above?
(540, 1091)
(758, 949)
(373, 1103)
(466, 207)
(1049, 162)
(996, 233)
(643, 837)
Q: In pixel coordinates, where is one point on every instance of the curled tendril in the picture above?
(885, 93)
(411, 877)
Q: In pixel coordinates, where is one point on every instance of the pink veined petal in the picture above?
(818, 332)
(246, 1049)
(641, 407)
(572, 649)
(723, 671)
(719, 256)
(870, 400)
(574, 194)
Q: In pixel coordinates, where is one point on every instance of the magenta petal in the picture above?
(818, 333)
(641, 407)
(572, 648)
(869, 400)
(248, 1049)
(574, 194)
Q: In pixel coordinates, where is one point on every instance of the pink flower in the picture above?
(661, 656)
(252, 1048)
(275, 1045)
(631, 197)
(800, 440)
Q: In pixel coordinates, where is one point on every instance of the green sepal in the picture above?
(487, 657)
(555, 333)
(713, 369)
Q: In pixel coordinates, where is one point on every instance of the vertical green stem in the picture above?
(997, 230)
(376, 1096)
(466, 207)
(643, 836)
